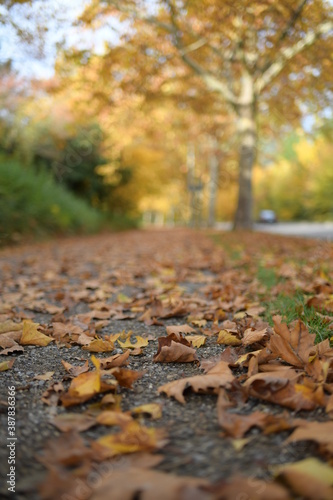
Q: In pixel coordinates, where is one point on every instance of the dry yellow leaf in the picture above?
(140, 342)
(196, 340)
(132, 439)
(154, 410)
(228, 338)
(6, 365)
(99, 345)
(31, 336)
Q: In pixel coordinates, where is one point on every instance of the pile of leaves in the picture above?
(193, 294)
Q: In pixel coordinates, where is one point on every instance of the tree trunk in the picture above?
(247, 155)
(212, 187)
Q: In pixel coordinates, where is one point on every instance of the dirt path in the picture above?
(83, 292)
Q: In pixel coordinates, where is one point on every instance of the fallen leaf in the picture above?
(180, 329)
(126, 377)
(228, 338)
(196, 340)
(73, 422)
(309, 478)
(199, 383)
(292, 344)
(252, 336)
(10, 326)
(6, 365)
(239, 487)
(114, 418)
(115, 360)
(83, 387)
(153, 410)
(99, 345)
(140, 342)
(31, 335)
(44, 376)
(131, 439)
(75, 370)
(53, 394)
(236, 425)
(68, 450)
(175, 349)
(149, 485)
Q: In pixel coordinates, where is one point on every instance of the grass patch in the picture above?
(267, 276)
(294, 307)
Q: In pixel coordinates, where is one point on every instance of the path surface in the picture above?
(84, 288)
(317, 230)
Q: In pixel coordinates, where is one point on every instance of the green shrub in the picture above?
(32, 203)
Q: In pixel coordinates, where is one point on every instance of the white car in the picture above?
(267, 216)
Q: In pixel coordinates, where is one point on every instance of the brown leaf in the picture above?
(53, 393)
(133, 438)
(74, 371)
(150, 485)
(44, 376)
(175, 349)
(180, 329)
(79, 422)
(236, 425)
(114, 361)
(68, 450)
(126, 377)
(310, 478)
(199, 383)
(99, 345)
(114, 418)
(252, 336)
(239, 487)
(293, 345)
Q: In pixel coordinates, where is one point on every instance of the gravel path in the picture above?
(79, 275)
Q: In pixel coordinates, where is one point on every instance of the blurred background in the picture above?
(152, 113)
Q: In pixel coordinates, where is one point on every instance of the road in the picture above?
(317, 230)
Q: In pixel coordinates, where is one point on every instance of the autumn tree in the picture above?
(258, 58)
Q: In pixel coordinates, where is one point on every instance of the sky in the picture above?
(58, 16)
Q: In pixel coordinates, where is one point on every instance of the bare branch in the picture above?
(289, 53)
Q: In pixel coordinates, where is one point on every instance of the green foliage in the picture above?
(32, 203)
(294, 307)
(267, 276)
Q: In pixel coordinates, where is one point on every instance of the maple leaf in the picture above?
(31, 335)
(292, 344)
(199, 383)
(175, 349)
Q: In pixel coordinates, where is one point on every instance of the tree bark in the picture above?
(247, 155)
